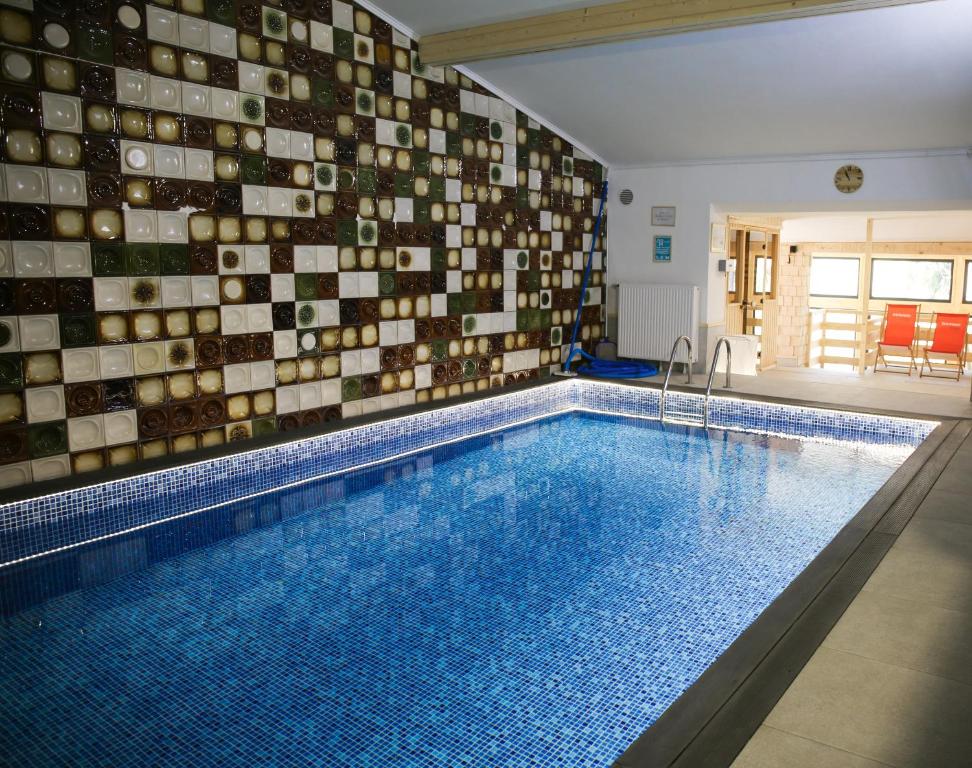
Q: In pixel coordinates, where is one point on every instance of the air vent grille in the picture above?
(626, 197)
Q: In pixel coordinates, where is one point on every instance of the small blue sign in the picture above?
(663, 247)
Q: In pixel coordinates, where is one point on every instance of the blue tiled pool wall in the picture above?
(755, 416)
(60, 520)
(32, 527)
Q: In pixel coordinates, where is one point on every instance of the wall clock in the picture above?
(848, 178)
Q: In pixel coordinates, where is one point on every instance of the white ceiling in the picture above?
(896, 78)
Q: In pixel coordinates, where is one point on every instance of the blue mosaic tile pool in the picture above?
(533, 597)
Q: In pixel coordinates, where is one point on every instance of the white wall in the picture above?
(903, 228)
(940, 180)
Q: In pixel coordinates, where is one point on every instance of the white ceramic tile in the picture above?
(13, 475)
(44, 404)
(80, 365)
(86, 433)
(259, 318)
(236, 378)
(196, 99)
(111, 294)
(251, 77)
(263, 375)
(67, 187)
(288, 399)
(278, 142)
(205, 290)
(170, 161)
(330, 392)
(51, 467)
(162, 25)
(165, 93)
(280, 202)
(225, 104)
(132, 87)
(348, 285)
(310, 396)
(301, 146)
(61, 112)
(282, 287)
(193, 33)
(327, 258)
(257, 259)
(222, 40)
(141, 226)
(233, 319)
(121, 427)
(26, 184)
(342, 15)
(116, 361)
(284, 344)
(328, 312)
(176, 291)
(173, 227)
(33, 258)
(199, 164)
(254, 200)
(148, 358)
(38, 332)
(322, 37)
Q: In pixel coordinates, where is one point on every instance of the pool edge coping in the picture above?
(713, 719)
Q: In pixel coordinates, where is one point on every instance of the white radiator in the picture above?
(651, 317)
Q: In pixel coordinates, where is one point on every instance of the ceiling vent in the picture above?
(626, 197)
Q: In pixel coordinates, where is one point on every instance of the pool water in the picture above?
(533, 597)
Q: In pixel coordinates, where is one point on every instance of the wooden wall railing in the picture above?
(846, 337)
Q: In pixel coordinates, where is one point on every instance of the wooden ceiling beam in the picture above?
(619, 21)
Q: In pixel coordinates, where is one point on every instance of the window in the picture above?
(835, 276)
(731, 265)
(967, 298)
(763, 279)
(911, 279)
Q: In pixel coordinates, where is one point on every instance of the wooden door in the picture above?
(752, 308)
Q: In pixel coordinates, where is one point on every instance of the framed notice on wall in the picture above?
(663, 215)
(663, 248)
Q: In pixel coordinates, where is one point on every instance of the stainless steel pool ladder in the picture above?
(700, 419)
(712, 370)
(668, 374)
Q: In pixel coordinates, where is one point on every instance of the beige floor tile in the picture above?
(894, 715)
(770, 748)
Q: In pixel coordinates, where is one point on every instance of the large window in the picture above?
(763, 278)
(967, 298)
(835, 276)
(911, 279)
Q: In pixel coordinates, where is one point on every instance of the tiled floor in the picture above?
(882, 391)
(891, 685)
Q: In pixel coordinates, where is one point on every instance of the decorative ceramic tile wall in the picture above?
(222, 218)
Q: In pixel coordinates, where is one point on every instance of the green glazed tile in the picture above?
(94, 44)
(468, 302)
(469, 324)
(439, 260)
(78, 330)
(305, 286)
(546, 317)
(47, 439)
(174, 259)
(522, 320)
(253, 169)
(522, 119)
(343, 43)
(437, 189)
(11, 372)
(533, 281)
(347, 233)
(108, 260)
(533, 319)
(345, 179)
(454, 303)
(366, 181)
(386, 283)
(522, 198)
(533, 138)
(469, 369)
(453, 144)
(322, 92)
(221, 11)
(467, 124)
(522, 157)
(351, 388)
(264, 426)
(440, 350)
(420, 162)
(556, 335)
(420, 211)
(403, 185)
(142, 258)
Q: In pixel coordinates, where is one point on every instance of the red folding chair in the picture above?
(948, 347)
(898, 331)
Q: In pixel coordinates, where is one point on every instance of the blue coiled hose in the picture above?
(593, 366)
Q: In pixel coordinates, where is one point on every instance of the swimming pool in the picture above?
(533, 595)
